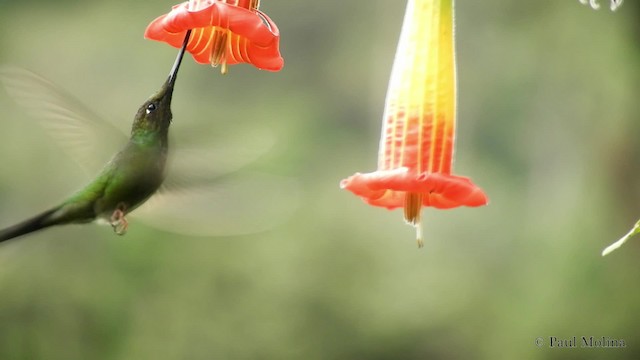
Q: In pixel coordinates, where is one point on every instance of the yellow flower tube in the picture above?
(417, 143)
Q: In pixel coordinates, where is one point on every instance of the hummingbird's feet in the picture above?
(118, 221)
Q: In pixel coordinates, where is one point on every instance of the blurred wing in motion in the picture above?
(231, 151)
(89, 140)
(233, 205)
(205, 194)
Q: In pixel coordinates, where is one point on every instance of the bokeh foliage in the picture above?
(548, 117)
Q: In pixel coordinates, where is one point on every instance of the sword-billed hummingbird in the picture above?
(128, 179)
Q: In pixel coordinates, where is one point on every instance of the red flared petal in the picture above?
(254, 37)
(387, 188)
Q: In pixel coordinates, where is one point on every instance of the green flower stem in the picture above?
(617, 244)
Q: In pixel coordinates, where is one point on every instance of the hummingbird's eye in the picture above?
(151, 107)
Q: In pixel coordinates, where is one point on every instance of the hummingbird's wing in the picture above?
(207, 194)
(229, 151)
(241, 203)
(83, 135)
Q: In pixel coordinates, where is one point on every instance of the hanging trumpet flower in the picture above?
(224, 32)
(416, 149)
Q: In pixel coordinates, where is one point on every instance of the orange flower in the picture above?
(225, 32)
(416, 149)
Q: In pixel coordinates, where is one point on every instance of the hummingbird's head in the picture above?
(155, 114)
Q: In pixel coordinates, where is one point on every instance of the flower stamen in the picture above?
(254, 5)
(412, 213)
(219, 49)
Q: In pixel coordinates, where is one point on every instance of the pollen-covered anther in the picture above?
(219, 49)
(254, 5)
(413, 212)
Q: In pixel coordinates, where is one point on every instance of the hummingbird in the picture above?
(128, 179)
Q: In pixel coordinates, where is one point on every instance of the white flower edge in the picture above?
(615, 4)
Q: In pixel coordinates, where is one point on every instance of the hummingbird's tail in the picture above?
(30, 225)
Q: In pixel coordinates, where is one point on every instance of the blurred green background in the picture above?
(548, 124)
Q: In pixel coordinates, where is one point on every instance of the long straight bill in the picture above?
(176, 65)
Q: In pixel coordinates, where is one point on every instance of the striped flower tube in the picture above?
(419, 121)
